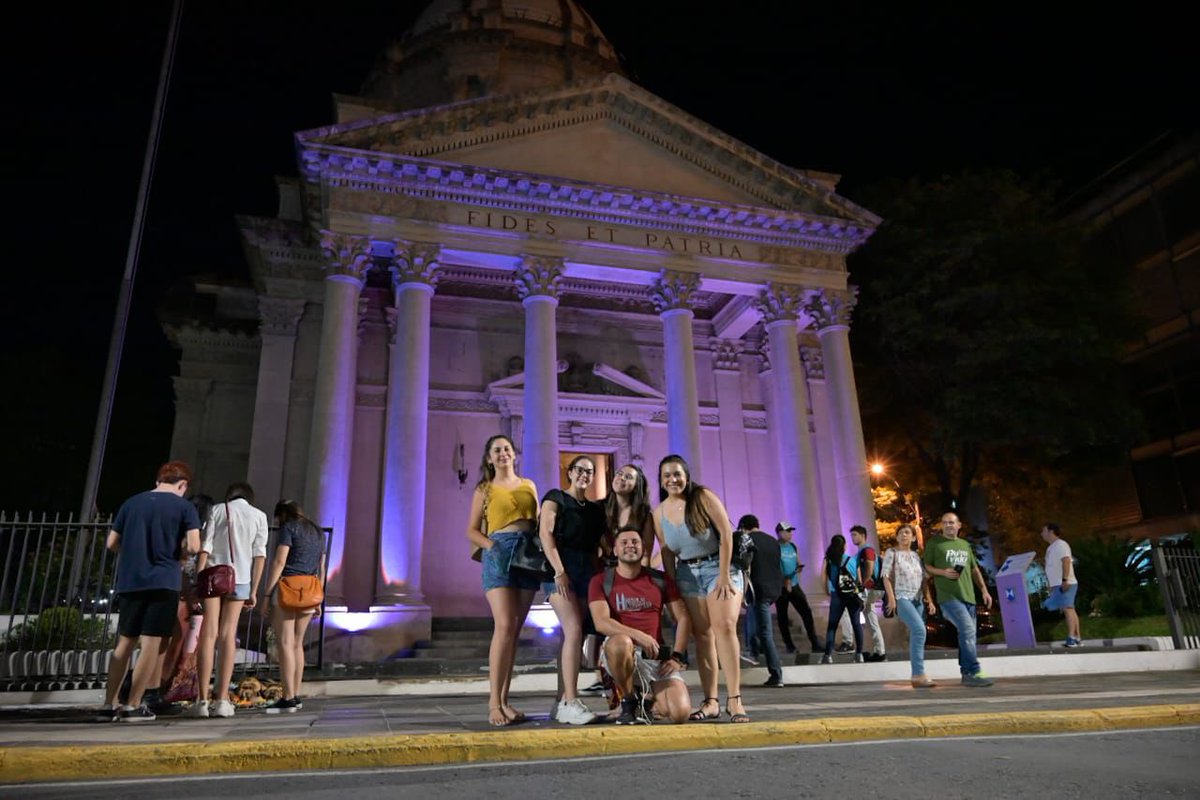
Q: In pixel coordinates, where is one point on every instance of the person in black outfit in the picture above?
(766, 581)
(792, 592)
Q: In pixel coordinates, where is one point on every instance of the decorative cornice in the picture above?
(673, 290)
(415, 263)
(780, 302)
(725, 353)
(814, 362)
(279, 316)
(538, 276)
(346, 255)
(832, 309)
(428, 132)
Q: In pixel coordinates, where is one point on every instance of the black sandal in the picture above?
(699, 716)
(741, 717)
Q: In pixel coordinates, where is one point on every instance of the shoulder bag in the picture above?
(528, 556)
(219, 580)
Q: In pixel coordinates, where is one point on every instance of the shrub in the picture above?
(61, 628)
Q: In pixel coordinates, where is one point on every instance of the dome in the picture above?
(460, 49)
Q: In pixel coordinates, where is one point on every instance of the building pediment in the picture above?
(609, 131)
(605, 381)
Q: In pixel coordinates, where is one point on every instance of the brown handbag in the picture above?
(300, 592)
(219, 580)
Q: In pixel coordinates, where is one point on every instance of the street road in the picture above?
(1096, 766)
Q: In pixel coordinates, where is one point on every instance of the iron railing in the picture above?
(59, 611)
(1177, 565)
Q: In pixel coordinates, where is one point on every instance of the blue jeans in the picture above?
(912, 614)
(837, 604)
(764, 637)
(962, 616)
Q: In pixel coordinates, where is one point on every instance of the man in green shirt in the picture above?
(951, 563)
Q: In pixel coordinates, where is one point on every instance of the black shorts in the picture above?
(150, 612)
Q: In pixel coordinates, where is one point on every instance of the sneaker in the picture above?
(1072, 642)
(284, 706)
(574, 712)
(222, 708)
(876, 657)
(826, 659)
(774, 683)
(108, 713)
(978, 679)
(595, 688)
(859, 658)
(749, 661)
(791, 651)
(299, 701)
(844, 647)
(199, 710)
(139, 714)
(631, 712)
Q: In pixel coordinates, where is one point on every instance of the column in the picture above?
(814, 369)
(780, 306)
(830, 311)
(404, 457)
(672, 297)
(735, 460)
(328, 474)
(278, 318)
(537, 284)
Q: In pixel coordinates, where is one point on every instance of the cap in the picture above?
(783, 526)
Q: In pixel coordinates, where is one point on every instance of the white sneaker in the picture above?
(222, 708)
(573, 712)
(199, 710)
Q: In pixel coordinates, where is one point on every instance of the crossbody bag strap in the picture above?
(229, 530)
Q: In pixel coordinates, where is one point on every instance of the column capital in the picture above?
(278, 316)
(346, 256)
(780, 302)
(415, 262)
(813, 359)
(832, 309)
(725, 353)
(538, 276)
(673, 290)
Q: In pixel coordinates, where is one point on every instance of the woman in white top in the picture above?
(248, 536)
(906, 588)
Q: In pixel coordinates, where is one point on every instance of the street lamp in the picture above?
(879, 470)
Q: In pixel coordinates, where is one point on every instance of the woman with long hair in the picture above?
(628, 506)
(696, 538)
(908, 595)
(838, 563)
(571, 527)
(236, 534)
(503, 508)
(300, 550)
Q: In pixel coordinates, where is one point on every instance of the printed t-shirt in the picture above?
(944, 553)
(637, 603)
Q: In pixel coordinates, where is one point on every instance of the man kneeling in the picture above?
(627, 602)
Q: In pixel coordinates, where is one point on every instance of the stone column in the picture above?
(735, 461)
(328, 474)
(404, 456)
(278, 318)
(672, 297)
(830, 311)
(537, 284)
(780, 307)
(814, 370)
(191, 402)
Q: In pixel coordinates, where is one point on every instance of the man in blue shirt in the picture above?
(789, 559)
(150, 535)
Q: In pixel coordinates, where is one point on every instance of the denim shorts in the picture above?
(496, 561)
(241, 591)
(1057, 600)
(700, 578)
(580, 567)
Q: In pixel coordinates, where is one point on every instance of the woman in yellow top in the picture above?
(503, 507)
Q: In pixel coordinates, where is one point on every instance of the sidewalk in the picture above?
(393, 727)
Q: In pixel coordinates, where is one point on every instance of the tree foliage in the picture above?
(984, 332)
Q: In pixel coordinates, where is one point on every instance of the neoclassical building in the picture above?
(505, 234)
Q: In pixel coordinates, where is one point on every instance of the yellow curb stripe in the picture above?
(30, 764)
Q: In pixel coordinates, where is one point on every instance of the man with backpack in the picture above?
(626, 603)
(867, 562)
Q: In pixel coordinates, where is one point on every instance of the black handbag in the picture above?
(528, 556)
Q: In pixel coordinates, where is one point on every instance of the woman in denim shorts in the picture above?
(503, 508)
(696, 537)
(571, 529)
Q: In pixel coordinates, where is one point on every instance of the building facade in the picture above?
(505, 234)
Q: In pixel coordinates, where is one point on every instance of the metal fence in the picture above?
(59, 612)
(1177, 565)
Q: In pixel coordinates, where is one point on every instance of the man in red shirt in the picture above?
(865, 559)
(629, 614)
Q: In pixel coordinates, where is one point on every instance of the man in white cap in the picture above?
(789, 560)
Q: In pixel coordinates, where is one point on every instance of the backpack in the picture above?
(847, 585)
(659, 579)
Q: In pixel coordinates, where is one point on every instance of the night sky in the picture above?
(845, 88)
